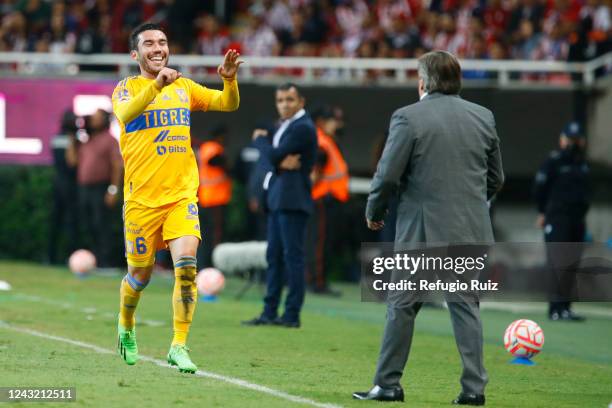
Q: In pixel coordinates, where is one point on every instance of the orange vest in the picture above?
(215, 186)
(334, 178)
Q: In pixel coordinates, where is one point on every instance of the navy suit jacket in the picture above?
(291, 190)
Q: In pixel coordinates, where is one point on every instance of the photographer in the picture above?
(99, 170)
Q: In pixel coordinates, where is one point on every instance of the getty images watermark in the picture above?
(502, 272)
(410, 264)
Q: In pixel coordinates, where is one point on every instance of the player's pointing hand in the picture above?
(229, 68)
(167, 76)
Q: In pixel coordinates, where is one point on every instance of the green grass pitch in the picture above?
(332, 355)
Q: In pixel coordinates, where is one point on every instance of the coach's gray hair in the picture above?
(440, 72)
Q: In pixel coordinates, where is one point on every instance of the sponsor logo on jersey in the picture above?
(182, 95)
(161, 150)
(177, 149)
(161, 136)
(164, 136)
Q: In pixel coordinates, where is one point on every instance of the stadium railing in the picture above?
(318, 70)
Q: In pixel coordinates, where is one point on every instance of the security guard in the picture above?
(214, 194)
(330, 192)
(562, 195)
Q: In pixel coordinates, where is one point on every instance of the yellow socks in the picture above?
(129, 296)
(184, 297)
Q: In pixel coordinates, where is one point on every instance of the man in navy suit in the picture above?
(291, 152)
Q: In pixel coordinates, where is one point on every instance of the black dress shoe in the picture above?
(567, 314)
(469, 399)
(381, 394)
(291, 324)
(258, 321)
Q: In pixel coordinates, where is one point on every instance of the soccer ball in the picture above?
(210, 281)
(524, 338)
(81, 262)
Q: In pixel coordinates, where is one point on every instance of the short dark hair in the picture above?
(323, 112)
(287, 86)
(143, 27)
(440, 72)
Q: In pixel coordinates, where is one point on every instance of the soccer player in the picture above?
(161, 180)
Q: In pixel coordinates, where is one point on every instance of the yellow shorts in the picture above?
(148, 229)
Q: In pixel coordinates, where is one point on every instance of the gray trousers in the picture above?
(397, 339)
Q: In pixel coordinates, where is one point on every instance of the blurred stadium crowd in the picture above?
(574, 30)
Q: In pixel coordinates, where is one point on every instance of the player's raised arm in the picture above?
(127, 106)
(227, 100)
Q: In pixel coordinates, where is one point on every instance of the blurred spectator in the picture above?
(387, 11)
(37, 14)
(99, 170)
(476, 49)
(95, 39)
(497, 51)
(306, 30)
(599, 13)
(277, 14)
(126, 15)
(13, 33)
(64, 212)
(401, 36)
(259, 39)
(447, 37)
(553, 46)
(62, 40)
(213, 39)
(351, 15)
(575, 29)
(526, 41)
(496, 18)
(531, 10)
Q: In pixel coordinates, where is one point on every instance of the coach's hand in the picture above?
(375, 225)
(291, 162)
(166, 76)
(229, 68)
(259, 133)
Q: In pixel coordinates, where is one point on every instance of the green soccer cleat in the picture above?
(126, 345)
(179, 356)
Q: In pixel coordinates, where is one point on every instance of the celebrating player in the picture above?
(161, 179)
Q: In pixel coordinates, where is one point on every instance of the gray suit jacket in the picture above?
(442, 156)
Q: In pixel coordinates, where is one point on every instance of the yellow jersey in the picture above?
(155, 141)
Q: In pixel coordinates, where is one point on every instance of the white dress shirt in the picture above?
(277, 138)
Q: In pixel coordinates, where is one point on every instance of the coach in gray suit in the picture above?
(442, 156)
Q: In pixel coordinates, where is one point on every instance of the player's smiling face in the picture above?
(153, 52)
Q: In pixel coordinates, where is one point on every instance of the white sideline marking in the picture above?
(207, 374)
(87, 310)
